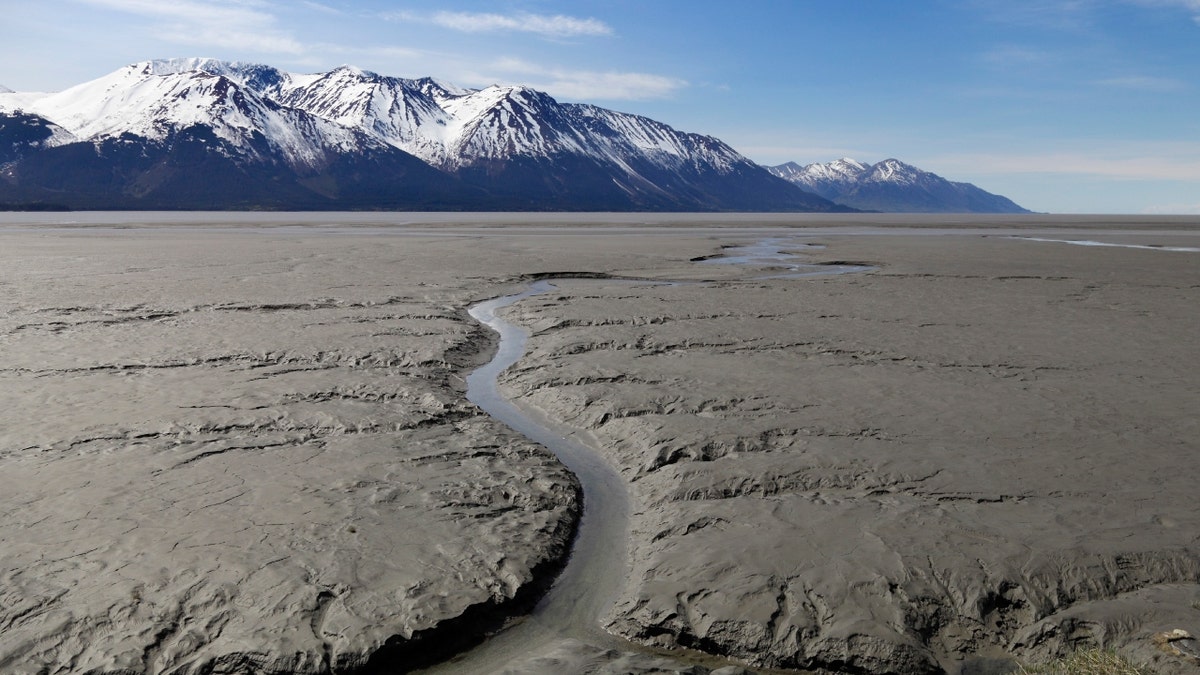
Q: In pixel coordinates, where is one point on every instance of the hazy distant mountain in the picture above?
(822, 179)
(200, 133)
(892, 186)
(5, 90)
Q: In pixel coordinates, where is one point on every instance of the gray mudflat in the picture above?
(984, 450)
(248, 450)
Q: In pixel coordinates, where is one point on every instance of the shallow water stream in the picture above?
(597, 566)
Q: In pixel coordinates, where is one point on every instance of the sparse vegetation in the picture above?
(1087, 662)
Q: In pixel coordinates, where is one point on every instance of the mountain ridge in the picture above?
(284, 140)
(892, 186)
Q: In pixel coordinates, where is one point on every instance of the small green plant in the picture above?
(1087, 662)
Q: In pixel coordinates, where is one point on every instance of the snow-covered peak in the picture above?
(848, 165)
(357, 72)
(476, 102)
(894, 171)
(837, 169)
(393, 110)
(181, 65)
(262, 79)
(5, 90)
(200, 64)
(139, 99)
(840, 170)
(157, 99)
(440, 90)
(503, 121)
(828, 179)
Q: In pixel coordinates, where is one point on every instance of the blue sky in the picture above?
(1071, 106)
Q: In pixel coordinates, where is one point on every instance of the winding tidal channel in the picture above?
(589, 583)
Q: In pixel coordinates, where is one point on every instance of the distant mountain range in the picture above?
(892, 186)
(206, 134)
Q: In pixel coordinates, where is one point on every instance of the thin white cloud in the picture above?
(212, 23)
(319, 7)
(586, 85)
(552, 26)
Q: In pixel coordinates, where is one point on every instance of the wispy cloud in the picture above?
(319, 7)
(587, 84)
(551, 26)
(212, 23)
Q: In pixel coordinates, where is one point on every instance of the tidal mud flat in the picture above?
(248, 449)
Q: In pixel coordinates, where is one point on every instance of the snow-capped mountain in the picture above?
(144, 101)
(822, 179)
(201, 133)
(5, 90)
(892, 186)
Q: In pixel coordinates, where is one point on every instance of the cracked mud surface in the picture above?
(249, 451)
(975, 453)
